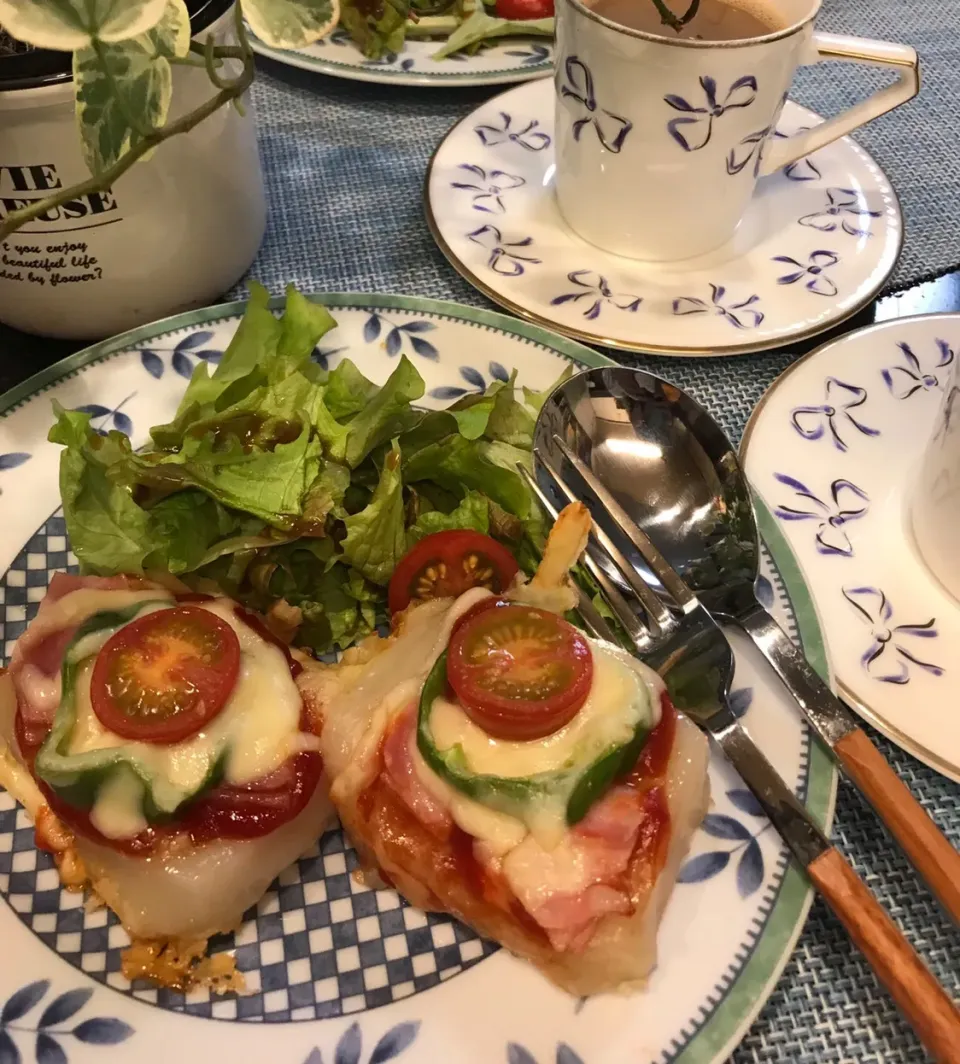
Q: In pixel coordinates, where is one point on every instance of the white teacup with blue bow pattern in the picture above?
(660, 141)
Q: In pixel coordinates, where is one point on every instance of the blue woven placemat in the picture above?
(346, 160)
(344, 165)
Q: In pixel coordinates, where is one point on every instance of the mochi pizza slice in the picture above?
(162, 748)
(490, 761)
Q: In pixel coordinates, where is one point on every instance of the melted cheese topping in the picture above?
(91, 644)
(40, 691)
(618, 701)
(537, 876)
(14, 777)
(259, 728)
(624, 694)
(352, 734)
(76, 606)
(117, 812)
(500, 832)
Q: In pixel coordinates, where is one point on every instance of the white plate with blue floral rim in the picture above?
(833, 448)
(503, 62)
(816, 245)
(336, 972)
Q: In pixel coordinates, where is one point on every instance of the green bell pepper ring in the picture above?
(515, 795)
(78, 778)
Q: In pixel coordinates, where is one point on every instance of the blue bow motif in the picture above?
(530, 138)
(488, 187)
(904, 381)
(595, 287)
(833, 414)
(817, 264)
(846, 503)
(611, 129)
(504, 258)
(889, 655)
(741, 315)
(694, 130)
(845, 209)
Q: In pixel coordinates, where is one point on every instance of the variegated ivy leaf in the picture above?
(291, 23)
(124, 89)
(171, 35)
(66, 25)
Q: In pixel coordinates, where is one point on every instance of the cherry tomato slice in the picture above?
(161, 678)
(524, 9)
(446, 564)
(519, 672)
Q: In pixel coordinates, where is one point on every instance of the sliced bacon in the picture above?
(591, 874)
(611, 857)
(570, 919)
(46, 655)
(38, 691)
(35, 672)
(38, 656)
(614, 821)
(43, 647)
(568, 889)
(401, 773)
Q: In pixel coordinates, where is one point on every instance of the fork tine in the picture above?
(593, 619)
(590, 614)
(657, 615)
(661, 568)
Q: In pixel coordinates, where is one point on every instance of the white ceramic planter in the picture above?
(176, 232)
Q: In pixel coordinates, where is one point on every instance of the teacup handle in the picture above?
(901, 57)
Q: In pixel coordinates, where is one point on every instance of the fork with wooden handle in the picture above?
(684, 643)
(669, 468)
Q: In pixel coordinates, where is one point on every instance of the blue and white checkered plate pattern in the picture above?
(337, 972)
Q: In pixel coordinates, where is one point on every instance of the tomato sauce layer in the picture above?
(445, 867)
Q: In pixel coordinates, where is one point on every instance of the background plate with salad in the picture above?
(431, 42)
(297, 489)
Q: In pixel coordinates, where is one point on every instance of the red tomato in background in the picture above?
(445, 564)
(524, 9)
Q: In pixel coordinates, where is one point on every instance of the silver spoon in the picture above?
(667, 463)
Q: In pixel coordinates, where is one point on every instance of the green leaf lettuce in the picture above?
(280, 482)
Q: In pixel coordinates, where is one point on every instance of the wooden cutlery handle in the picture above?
(934, 858)
(911, 985)
(922, 841)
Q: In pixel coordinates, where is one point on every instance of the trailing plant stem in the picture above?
(232, 91)
(210, 62)
(186, 60)
(223, 52)
(676, 22)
